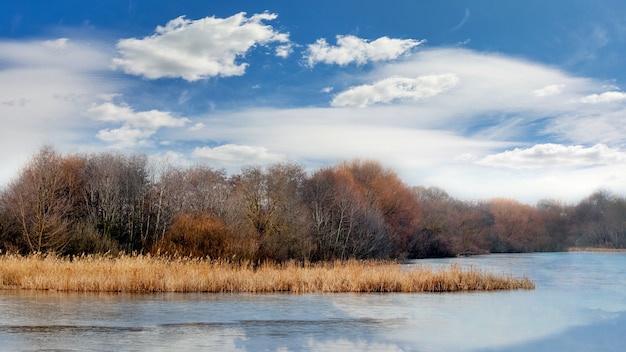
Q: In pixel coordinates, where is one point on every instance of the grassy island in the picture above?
(144, 274)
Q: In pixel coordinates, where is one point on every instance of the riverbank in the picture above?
(596, 249)
(156, 274)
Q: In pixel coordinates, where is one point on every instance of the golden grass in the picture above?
(158, 274)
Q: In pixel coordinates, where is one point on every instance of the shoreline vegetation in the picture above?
(596, 249)
(151, 274)
(116, 203)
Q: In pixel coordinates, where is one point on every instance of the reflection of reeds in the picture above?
(157, 274)
(596, 249)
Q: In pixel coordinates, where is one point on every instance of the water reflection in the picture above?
(579, 305)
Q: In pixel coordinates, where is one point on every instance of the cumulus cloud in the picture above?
(233, 155)
(396, 88)
(199, 49)
(606, 97)
(135, 126)
(555, 155)
(351, 49)
(284, 50)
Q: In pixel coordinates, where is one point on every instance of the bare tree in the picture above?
(41, 200)
(345, 224)
(116, 191)
(267, 205)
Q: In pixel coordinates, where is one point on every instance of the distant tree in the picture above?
(40, 201)
(516, 227)
(346, 223)
(556, 217)
(600, 221)
(194, 190)
(110, 201)
(116, 190)
(267, 207)
(385, 192)
(449, 226)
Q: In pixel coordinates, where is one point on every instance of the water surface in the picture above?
(579, 305)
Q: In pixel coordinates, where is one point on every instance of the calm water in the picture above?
(579, 305)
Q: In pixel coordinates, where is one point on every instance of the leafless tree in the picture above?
(41, 201)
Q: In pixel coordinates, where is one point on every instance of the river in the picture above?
(579, 305)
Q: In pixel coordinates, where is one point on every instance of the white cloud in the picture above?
(284, 50)
(61, 53)
(547, 91)
(351, 49)
(124, 136)
(232, 156)
(44, 86)
(396, 88)
(606, 97)
(198, 49)
(590, 126)
(555, 156)
(60, 43)
(497, 103)
(136, 126)
(318, 136)
(197, 127)
(441, 140)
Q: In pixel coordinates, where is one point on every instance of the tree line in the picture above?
(112, 202)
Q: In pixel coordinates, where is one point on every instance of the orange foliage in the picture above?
(516, 225)
(198, 235)
(383, 189)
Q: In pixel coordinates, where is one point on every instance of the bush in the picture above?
(197, 235)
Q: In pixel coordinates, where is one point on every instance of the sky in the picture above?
(516, 99)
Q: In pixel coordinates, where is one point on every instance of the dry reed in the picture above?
(159, 274)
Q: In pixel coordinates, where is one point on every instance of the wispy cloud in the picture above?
(396, 88)
(60, 53)
(44, 87)
(351, 49)
(232, 156)
(547, 91)
(551, 155)
(440, 116)
(199, 49)
(453, 133)
(464, 20)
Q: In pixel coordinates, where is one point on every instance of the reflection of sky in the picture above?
(579, 305)
(577, 296)
(466, 322)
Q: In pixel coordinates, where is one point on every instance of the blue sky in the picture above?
(484, 99)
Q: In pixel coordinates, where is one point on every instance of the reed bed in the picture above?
(144, 273)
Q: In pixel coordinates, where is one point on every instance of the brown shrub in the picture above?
(197, 235)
